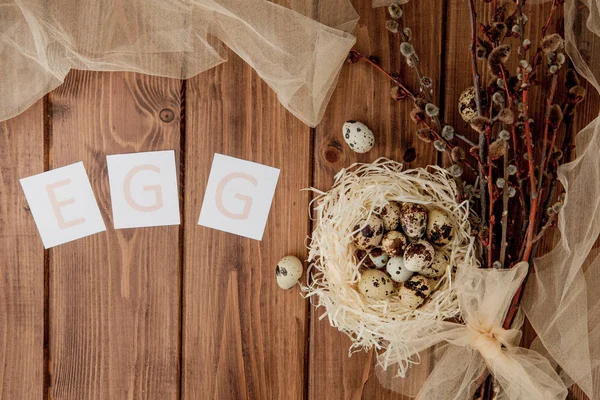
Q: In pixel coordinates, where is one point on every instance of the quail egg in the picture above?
(415, 291)
(394, 243)
(358, 136)
(413, 219)
(467, 106)
(288, 271)
(418, 255)
(398, 272)
(375, 258)
(369, 233)
(439, 227)
(438, 267)
(378, 257)
(375, 284)
(390, 215)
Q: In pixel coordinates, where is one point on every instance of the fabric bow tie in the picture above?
(460, 353)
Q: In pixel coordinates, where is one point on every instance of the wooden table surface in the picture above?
(186, 311)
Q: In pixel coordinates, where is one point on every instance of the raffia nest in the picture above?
(359, 191)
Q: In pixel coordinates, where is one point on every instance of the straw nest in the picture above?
(386, 325)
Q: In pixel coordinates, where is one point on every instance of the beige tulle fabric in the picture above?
(297, 48)
(562, 297)
(464, 350)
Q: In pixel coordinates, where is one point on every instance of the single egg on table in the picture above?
(394, 243)
(418, 255)
(398, 272)
(358, 136)
(415, 291)
(390, 215)
(288, 271)
(439, 228)
(368, 233)
(438, 267)
(375, 284)
(413, 219)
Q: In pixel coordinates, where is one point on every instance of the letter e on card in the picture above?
(63, 204)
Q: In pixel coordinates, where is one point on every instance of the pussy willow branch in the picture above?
(549, 102)
(409, 93)
(490, 183)
(386, 73)
(503, 244)
(417, 66)
(510, 98)
(533, 195)
(482, 137)
(447, 143)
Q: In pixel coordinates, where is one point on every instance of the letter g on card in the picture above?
(143, 189)
(238, 196)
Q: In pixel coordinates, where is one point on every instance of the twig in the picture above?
(545, 227)
(503, 243)
(464, 139)
(386, 73)
(533, 196)
(473, 49)
(538, 54)
(547, 24)
(477, 86)
(492, 219)
(417, 66)
(549, 101)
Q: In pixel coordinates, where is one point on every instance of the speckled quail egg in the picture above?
(394, 243)
(398, 272)
(414, 291)
(439, 227)
(288, 271)
(390, 215)
(413, 219)
(369, 233)
(375, 284)
(375, 258)
(467, 107)
(358, 136)
(418, 255)
(378, 257)
(438, 267)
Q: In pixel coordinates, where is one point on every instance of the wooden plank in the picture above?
(243, 336)
(21, 260)
(363, 94)
(114, 296)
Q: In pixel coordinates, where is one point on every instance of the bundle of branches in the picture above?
(507, 164)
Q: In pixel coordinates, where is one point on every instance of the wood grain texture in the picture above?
(363, 94)
(114, 296)
(244, 337)
(21, 260)
(189, 312)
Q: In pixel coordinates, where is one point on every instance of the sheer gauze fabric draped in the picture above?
(297, 48)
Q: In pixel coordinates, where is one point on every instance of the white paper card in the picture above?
(238, 196)
(63, 204)
(143, 189)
